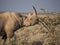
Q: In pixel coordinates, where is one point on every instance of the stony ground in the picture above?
(39, 34)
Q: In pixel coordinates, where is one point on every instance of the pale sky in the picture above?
(26, 5)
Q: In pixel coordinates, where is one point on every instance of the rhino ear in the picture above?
(29, 15)
(35, 12)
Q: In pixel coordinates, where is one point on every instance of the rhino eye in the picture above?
(25, 17)
(30, 18)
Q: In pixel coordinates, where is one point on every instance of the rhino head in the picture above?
(31, 19)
